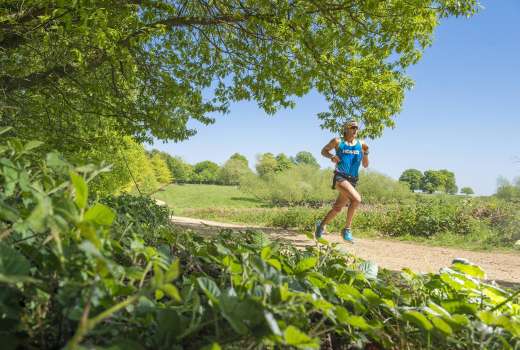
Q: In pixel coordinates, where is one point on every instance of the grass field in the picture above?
(179, 197)
(229, 204)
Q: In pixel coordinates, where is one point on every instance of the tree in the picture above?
(129, 164)
(466, 190)
(181, 171)
(72, 70)
(160, 169)
(206, 171)
(439, 180)
(413, 178)
(283, 162)
(239, 157)
(233, 171)
(449, 183)
(266, 164)
(508, 190)
(305, 157)
(431, 181)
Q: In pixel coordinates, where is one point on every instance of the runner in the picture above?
(350, 154)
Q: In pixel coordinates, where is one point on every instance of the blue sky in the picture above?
(462, 115)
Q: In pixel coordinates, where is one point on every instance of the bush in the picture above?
(76, 275)
(298, 185)
(427, 217)
(375, 187)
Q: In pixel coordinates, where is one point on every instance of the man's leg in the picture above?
(340, 203)
(353, 196)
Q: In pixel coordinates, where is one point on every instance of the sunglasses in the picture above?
(353, 127)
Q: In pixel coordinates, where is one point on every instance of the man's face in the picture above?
(351, 129)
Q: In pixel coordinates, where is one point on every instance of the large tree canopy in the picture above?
(72, 70)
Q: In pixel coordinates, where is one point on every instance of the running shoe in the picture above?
(319, 230)
(347, 235)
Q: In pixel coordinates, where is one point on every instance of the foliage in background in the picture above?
(233, 170)
(309, 185)
(439, 180)
(304, 157)
(377, 188)
(160, 169)
(467, 190)
(266, 164)
(509, 190)
(469, 222)
(298, 185)
(128, 161)
(413, 178)
(205, 172)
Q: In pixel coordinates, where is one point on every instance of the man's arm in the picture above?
(325, 151)
(364, 161)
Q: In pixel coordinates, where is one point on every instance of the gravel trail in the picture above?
(504, 267)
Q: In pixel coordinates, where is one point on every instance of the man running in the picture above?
(350, 154)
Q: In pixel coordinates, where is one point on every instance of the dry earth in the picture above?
(503, 267)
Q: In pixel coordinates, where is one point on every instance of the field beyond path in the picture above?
(388, 254)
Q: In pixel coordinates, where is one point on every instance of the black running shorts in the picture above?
(339, 177)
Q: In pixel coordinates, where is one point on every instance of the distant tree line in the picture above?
(235, 168)
(432, 181)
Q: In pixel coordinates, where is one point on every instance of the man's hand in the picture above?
(335, 159)
(365, 147)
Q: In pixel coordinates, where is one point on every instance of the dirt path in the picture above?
(390, 254)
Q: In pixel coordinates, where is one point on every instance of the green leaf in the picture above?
(306, 264)
(242, 315)
(8, 213)
(459, 307)
(38, 217)
(487, 317)
(369, 268)
(441, 325)
(81, 188)
(371, 296)
(342, 314)
(100, 214)
(293, 336)
(32, 145)
(348, 293)
(472, 270)
(418, 319)
(271, 322)
(12, 262)
(5, 129)
(210, 288)
(265, 253)
(358, 322)
(171, 291)
(274, 263)
(173, 271)
(212, 346)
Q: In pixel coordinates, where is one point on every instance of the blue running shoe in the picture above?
(319, 230)
(347, 235)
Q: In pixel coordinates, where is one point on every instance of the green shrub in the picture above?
(375, 188)
(299, 185)
(79, 275)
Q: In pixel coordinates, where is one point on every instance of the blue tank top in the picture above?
(350, 158)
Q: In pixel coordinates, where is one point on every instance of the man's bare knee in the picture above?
(337, 207)
(355, 200)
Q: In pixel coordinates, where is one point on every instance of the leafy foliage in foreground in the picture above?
(74, 272)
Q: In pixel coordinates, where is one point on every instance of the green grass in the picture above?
(180, 197)
(229, 204)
